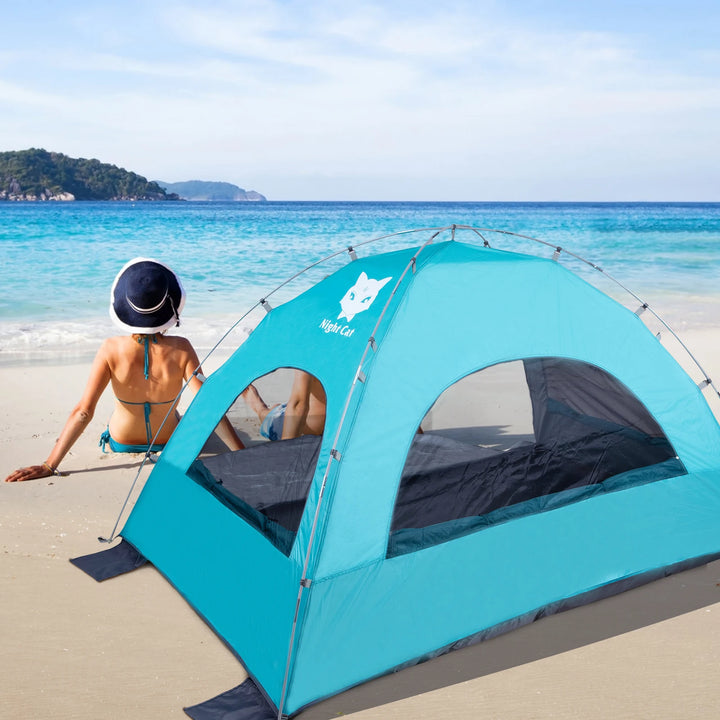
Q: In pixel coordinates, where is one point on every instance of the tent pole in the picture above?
(305, 581)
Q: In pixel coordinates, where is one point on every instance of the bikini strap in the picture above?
(147, 406)
(146, 340)
(146, 402)
(148, 428)
(147, 409)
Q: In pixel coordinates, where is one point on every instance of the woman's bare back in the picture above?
(171, 361)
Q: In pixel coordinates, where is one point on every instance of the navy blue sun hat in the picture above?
(146, 297)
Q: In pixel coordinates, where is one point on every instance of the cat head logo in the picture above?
(360, 296)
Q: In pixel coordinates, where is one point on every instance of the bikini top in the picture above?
(147, 405)
(146, 340)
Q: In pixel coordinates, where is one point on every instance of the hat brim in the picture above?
(129, 320)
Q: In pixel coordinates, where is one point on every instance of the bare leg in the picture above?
(252, 397)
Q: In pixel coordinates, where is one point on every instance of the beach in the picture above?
(477, 182)
(132, 648)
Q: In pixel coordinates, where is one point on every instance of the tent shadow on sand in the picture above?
(640, 607)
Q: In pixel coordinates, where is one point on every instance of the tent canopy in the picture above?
(326, 561)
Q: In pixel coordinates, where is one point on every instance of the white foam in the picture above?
(62, 341)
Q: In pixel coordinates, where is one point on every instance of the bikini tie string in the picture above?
(146, 340)
(148, 428)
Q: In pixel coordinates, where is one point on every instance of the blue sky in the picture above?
(329, 100)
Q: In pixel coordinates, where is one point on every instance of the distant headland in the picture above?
(204, 190)
(38, 175)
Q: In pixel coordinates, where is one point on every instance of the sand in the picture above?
(132, 648)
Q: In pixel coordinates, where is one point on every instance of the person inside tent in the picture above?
(303, 413)
(146, 368)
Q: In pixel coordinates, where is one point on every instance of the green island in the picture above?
(37, 175)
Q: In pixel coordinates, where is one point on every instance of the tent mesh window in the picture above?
(268, 482)
(524, 437)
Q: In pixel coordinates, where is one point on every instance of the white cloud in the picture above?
(294, 93)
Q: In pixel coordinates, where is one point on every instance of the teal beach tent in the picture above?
(325, 561)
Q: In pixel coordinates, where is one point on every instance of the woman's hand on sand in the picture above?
(29, 473)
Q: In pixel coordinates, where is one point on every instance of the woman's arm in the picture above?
(225, 430)
(79, 418)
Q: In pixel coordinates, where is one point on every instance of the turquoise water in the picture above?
(57, 261)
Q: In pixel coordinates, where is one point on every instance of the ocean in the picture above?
(58, 260)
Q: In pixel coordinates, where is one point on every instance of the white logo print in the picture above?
(360, 296)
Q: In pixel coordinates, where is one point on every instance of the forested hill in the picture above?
(37, 174)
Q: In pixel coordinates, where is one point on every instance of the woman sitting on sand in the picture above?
(147, 370)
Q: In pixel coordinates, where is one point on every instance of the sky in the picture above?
(396, 100)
